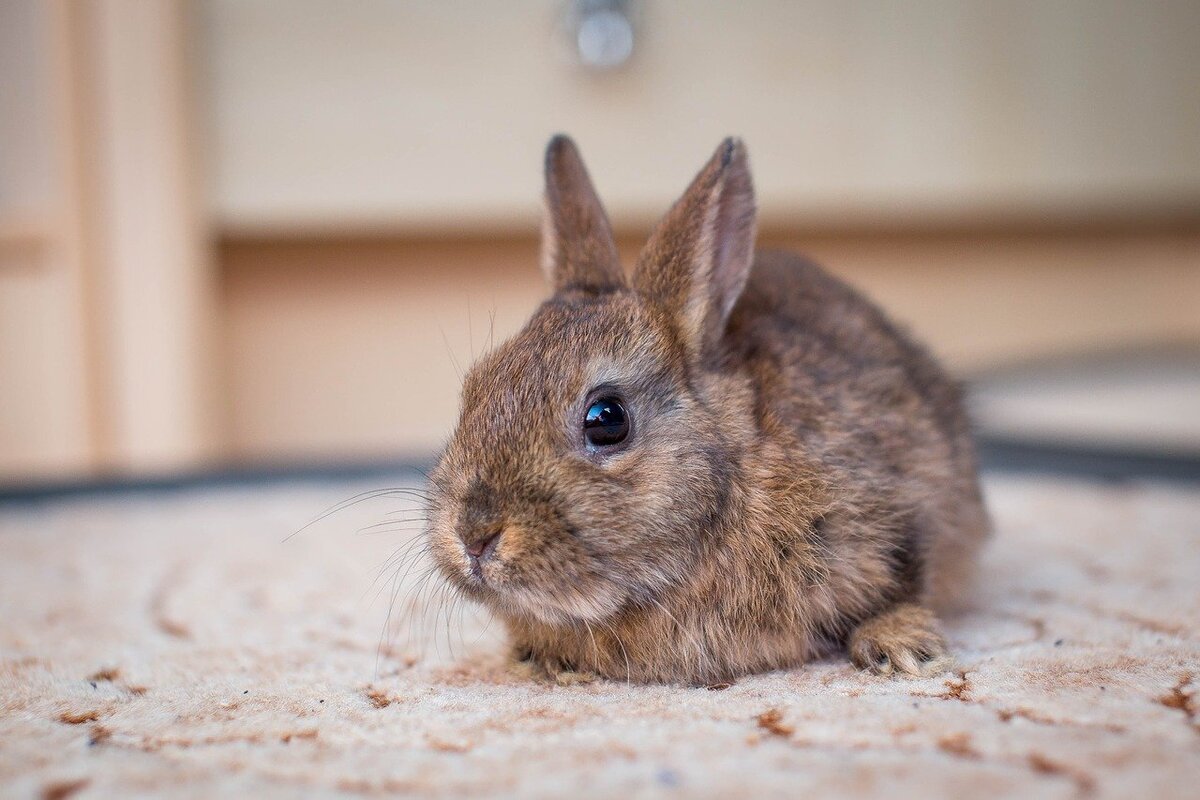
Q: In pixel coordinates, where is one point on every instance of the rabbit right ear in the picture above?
(698, 258)
(578, 249)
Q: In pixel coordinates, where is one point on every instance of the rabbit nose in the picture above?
(482, 546)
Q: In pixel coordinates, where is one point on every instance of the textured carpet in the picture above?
(172, 643)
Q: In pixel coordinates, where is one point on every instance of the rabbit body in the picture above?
(794, 474)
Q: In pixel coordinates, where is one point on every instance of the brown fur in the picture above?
(799, 476)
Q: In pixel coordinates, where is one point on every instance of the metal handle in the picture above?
(601, 32)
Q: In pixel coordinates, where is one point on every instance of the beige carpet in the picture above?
(172, 644)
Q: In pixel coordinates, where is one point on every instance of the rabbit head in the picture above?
(597, 451)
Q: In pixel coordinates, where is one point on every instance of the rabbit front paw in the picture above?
(548, 669)
(904, 640)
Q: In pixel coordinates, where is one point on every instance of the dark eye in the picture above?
(606, 422)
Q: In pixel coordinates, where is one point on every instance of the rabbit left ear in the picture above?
(578, 249)
(698, 258)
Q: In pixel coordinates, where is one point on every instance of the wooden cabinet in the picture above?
(106, 311)
(395, 116)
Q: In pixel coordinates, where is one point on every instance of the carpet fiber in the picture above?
(173, 643)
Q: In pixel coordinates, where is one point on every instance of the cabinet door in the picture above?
(105, 293)
(44, 426)
(433, 115)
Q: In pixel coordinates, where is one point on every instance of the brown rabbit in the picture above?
(721, 464)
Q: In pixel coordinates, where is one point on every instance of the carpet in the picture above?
(173, 643)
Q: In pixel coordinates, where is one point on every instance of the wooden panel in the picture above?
(106, 296)
(352, 348)
(27, 113)
(984, 300)
(45, 423)
(43, 413)
(152, 305)
(422, 116)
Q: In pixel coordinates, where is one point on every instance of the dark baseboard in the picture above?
(413, 469)
(1088, 461)
(1004, 455)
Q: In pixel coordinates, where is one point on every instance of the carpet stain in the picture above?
(160, 614)
(1038, 718)
(98, 735)
(61, 790)
(78, 717)
(958, 745)
(1180, 700)
(377, 697)
(1009, 714)
(772, 722)
(1084, 783)
(958, 688)
(445, 745)
(113, 675)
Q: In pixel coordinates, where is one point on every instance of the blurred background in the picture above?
(249, 233)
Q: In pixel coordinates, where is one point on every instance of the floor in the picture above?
(178, 642)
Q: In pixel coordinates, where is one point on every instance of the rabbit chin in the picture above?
(560, 606)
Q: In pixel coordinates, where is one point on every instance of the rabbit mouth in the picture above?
(477, 574)
(496, 567)
(563, 603)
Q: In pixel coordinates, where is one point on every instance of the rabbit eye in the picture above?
(606, 422)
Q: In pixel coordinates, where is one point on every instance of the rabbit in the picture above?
(719, 464)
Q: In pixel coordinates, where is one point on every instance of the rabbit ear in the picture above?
(578, 250)
(697, 260)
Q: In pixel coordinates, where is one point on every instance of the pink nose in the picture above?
(483, 547)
